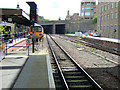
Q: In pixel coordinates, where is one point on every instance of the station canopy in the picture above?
(15, 15)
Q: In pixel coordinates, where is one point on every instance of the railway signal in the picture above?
(33, 19)
(33, 11)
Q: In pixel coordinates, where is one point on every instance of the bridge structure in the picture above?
(53, 27)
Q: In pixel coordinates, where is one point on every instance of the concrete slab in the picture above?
(10, 68)
(37, 73)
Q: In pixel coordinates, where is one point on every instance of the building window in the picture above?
(111, 28)
(88, 8)
(108, 16)
(115, 30)
(116, 15)
(82, 4)
(107, 28)
(82, 14)
(87, 3)
(93, 3)
(101, 18)
(104, 28)
(108, 6)
(82, 9)
(119, 28)
(104, 17)
(98, 29)
(87, 13)
(105, 7)
(92, 14)
(101, 28)
(112, 6)
(112, 15)
(102, 9)
(116, 4)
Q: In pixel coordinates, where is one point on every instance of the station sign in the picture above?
(28, 42)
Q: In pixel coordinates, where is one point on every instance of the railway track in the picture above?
(67, 73)
(93, 45)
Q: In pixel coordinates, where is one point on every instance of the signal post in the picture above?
(33, 19)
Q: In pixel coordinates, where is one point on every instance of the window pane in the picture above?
(111, 28)
(89, 8)
(112, 5)
(82, 14)
(87, 3)
(115, 28)
(82, 9)
(108, 6)
(116, 4)
(87, 13)
(92, 3)
(108, 28)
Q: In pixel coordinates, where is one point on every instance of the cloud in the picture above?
(55, 5)
(50, 9)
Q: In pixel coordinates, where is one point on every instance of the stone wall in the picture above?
(80, 26)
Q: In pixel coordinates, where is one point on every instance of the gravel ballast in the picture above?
(103, 71)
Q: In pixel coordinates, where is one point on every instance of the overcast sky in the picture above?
(50, 9)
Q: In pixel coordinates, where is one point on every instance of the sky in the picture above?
(50, 9)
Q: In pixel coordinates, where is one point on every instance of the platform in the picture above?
(21, 71)
(36, 73)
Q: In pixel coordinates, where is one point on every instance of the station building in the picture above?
(16, 16)
(108, 19)
(17, 19)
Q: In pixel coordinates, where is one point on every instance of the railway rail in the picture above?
(94, 45)
(67, 73)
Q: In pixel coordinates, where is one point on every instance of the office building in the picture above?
(87, 9)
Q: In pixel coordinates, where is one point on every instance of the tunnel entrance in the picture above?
(60, 29)
(48, 29)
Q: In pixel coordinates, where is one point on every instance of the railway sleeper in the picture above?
(74, 77)
(72, 74)
(80, 82)
(66, 63)
(83, 87)
(56, 76)
(58, 82)
(77, 81)
(70, 69)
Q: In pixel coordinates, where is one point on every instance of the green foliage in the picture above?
(78, 37)
(95, 20)
(93, 49)
(59, 18)
(79, 44)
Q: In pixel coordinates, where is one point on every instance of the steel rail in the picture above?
(63, 78)
(98, 46)
(87, 75)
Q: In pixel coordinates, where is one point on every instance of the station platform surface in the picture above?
(37, 73)
(10, 68)
(18, 70)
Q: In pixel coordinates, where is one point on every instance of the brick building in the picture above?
(108, 22)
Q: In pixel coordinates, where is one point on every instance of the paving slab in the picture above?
(10, 68)
(36, 73)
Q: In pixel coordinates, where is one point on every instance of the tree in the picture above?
(94, 19)
(59, 19)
